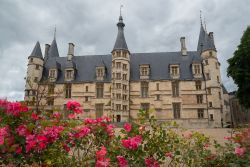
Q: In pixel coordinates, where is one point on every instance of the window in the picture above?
(176, 110)
(145, 107)
(206, 62)
(118, 53)
(124, 108)
(124, 54)
(209, 91)
(86, 88)
(124, 87)
(219, 95)
(118, 107)
(124, 77)
(197, 69)
(52, 73)
(144, 89)
(221, 108)
(69, 74)
(216, 65)
(68, 91)
(210, 104)
(118, 75)
(157, 97)
(118, 65)
(118, 96)
(210, 53)
(124, 97)
(99, 90)
(37, 67)
(199, 99)
(144, 71)
(124, 66)
(198, 85)
(118, 85)
(36, 79)
(51, 89)
(86, 98)
(50, 101)
(99, 110)
(175, 88)
(218, 80)
(99, 72)
(174, 70)
(157, 86)
(211, 117)
(208, 76)
(200, 113)
(31, 60)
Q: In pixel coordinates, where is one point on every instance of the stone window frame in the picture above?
(100, 73)
(68, 90)
(69, 74)
(175, 88)
(158, 97)
(174, 70)
(200, 113)
(176, 110)
(144, 71)
(144, 89)
(198, 85)
(199, 99)
(99, 90)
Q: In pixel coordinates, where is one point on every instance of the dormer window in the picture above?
(52, 75)
(144, 71)
(196, 68)
(69, 74)
(175, 71)
(100, 73)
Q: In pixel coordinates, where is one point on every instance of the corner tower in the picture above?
(34, 73)
(211, 71)
(120, 76)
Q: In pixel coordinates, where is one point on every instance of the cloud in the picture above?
(91, 26)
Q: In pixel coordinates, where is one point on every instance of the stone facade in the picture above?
(196, 102)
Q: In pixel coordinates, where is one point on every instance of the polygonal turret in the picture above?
(36, 53)
(206, 41)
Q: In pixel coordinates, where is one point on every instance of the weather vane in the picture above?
(55, 33)
(121, 10)
(201, 16)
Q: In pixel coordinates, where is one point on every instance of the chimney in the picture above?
(183, 46)
(71, 51)
(47, 46)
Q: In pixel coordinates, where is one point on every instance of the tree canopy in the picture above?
(239, 69)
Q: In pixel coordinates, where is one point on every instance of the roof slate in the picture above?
(53, 50)
(120, 43)
(159, 66)
(205, 41)
(37, 53)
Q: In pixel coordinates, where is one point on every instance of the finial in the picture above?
(121, 10)
(205, 24)
(55, 33)
(201, 17)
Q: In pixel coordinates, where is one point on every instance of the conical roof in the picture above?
(37, 53)
(120, 43)
(205, 42)
(53, 51)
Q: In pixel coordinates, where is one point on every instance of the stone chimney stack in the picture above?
(47, 46)
(183, 46)
(71, 51)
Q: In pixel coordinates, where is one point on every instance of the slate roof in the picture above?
(120, 43)
(159, 66)
(37, 53)
(53, 50)
(205, 42)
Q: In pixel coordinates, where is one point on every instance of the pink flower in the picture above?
(66, 147)
(239, 151)
(18, 150)
(127, 127)
(102, 163)
(141, 128)
(122, 161)
(72, 116)
(169, 154)
(101, 153)
(132, 143)
(3, 134)
(110, 129)
(84, 131)
(151, 162)
(34, 116)
(22, 130)
(227, 138)
(74, 106)
(56, 115)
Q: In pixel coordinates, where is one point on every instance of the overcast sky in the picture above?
(151, 26)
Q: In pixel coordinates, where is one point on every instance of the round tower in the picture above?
(34, 73)
(120, 76)
(211, 71)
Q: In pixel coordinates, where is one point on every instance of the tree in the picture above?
(239, 69)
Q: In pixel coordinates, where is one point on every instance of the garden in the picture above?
(46, 139)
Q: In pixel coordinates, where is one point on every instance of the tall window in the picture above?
(124, 87)
(199, 99)
(198, 85)
(118, 65)
(144, 71)
(99, 72)
(124, 97)
(52, 73)
(197, 69)
(86, 98)
(118, 75)
(174, 70)
(175, 88)
(118, 85)
(200, 113)
(99, 90)
(50, 101)
(68, 91)
(124, 66)
(51, 89)
(145, 107)
(124, 107)
(144, 89)
(118, 96)
(209, 91)
(99, 110)
(118, 107)
(69, 74)
(86, 88)
(210, 104)
(37, 67)
(157, 86)
(208, 76)
(124, 77)
(157, 97)
(177, 110)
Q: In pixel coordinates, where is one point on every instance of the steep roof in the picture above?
(206, 41)
(53, 50)
(37, 53)
(159, 66)
(120, 43)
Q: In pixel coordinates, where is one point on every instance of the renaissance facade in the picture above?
(184, 86)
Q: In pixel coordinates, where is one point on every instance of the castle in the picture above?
(184, 86)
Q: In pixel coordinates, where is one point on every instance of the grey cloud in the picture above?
(91, 25)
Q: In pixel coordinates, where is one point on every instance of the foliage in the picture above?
(27, 138)
(239, 69)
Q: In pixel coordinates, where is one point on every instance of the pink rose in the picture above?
(127, 127)
(151, 162)
(122, 162)
(239, 151)
(132, 143)
(34, 116)
(100, 154)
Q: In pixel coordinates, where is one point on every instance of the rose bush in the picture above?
(29, 138)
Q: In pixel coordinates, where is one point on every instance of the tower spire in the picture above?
(55, 32)
(201, 17)
(121, 10)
